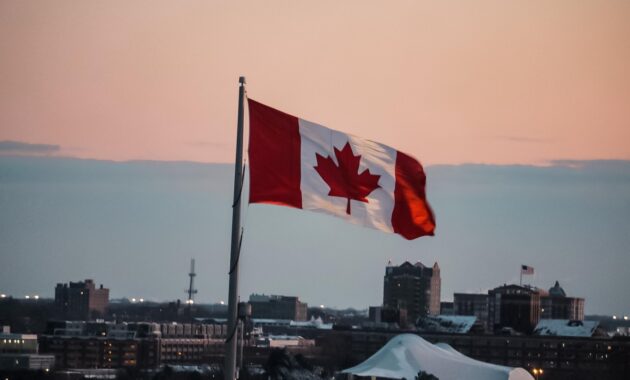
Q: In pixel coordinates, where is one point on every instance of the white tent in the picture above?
(407, 354)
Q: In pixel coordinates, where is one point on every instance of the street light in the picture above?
(537, 372)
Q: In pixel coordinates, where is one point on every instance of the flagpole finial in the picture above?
(241, 80)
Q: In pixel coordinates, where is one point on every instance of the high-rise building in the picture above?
(81, 300)
(277, 307)
(513, 306)
(556, 305)
(414, 288)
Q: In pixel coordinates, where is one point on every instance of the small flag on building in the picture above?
(525, 269)
(297, 163)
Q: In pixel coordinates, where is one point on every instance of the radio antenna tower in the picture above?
(191, 286)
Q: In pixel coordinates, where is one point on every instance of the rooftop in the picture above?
(451, 324)
(565, 327)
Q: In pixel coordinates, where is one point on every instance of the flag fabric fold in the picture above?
(300, 164)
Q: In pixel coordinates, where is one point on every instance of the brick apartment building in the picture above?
(79, 344)
(81, 300)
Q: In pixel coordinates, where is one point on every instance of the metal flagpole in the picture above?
(237, 235)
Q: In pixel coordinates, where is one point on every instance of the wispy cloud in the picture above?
(602, 165)
(23, 148)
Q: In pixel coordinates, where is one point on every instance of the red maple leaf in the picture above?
(344, 180)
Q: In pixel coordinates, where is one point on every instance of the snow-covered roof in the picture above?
(453, 324)
(208, 320)
(269, 321)
(283, 337)
(313, 323)
(565, 327)
(204, 369)
(407, 354)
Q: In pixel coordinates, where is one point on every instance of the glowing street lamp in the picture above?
(537, 372)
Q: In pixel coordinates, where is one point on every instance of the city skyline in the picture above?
(117, 129)
(454, 176)
(123, 223)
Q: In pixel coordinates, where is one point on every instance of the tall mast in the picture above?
(191, 285)
(230, 343)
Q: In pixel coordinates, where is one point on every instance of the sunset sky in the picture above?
(536, 91)
(449, 81)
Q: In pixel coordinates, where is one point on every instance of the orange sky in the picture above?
(447, 81)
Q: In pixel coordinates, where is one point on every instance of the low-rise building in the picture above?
(447, 308)
(472, 304)
(277, 307)
(281, 341)
(513, 307)
(518, 307)
(556, 305)
(21, 352)
(577, 358)
(134, 345)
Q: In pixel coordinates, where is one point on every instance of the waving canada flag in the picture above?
(297, 163)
